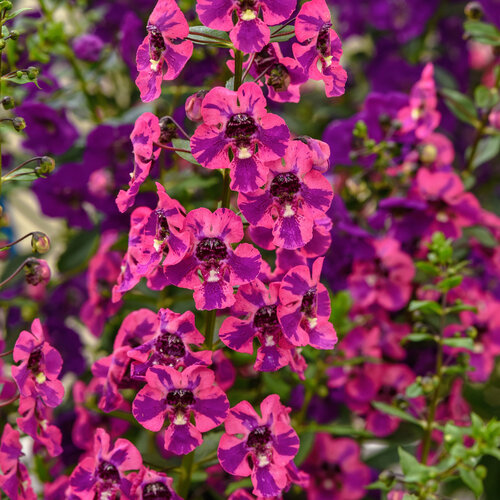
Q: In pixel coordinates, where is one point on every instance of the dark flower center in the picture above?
(387, 391)
(180, 398)
(170, 346)
(168, 129)
(211, 250)
(156, 491)
(108, 473)
(35, 359)
(156, 42)
(279, 78)
(247, 4)
(266, 318)
(285, 186)
(309, 302)
(259, 437)
(162, 228)
(241, 127)
(323, 41)
(264, 59)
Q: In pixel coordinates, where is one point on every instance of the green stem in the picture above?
(187, 469)
(210, 328)
(426, 445)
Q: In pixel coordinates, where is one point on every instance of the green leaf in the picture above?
(284, 34)
(395, 412)
(425, 306)
(15, 13)
(483, 32)
(306, 444)
(184, 144)
(413, 470)
(485, 97)
(419, 337)
(472, 480)
(208, 36)
(456, 308)
(464, 342)
(460, 105)
(427, 267)
(448, 283)
(79, 250)
(236, 485)
(20, 78)
(414, 390)
(481, 234)
(487, 149)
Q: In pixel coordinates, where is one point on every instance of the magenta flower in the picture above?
(212, 259)
(384, 280)
(320, 152)
(322, 49)
(155, 240)
(336, 470)
(176, 395)
(254, 315)
(152, 485)
(260, 447)
(164, 51)
(293, 197)
(15, 481)
(40, 366)
(304, 313)
(144, 136)
(104, 269)
(168, 344)
(238, 121)
(283, 75)
(35, 422)
(250, 33)
(104, 473)
(421, 116)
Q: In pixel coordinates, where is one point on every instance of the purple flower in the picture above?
(212, 268)
(165, 45)
(167, 344)
(40, 366)
(15, 481)
(292, 198)
(238, 121)
(88, 47)
(254, 314)
(149, 484)
(304, 313)
(48, 131)
(259, 446)
(322, 49)
(104, 472)
(336, 470)
(177, 395)
(250, 33)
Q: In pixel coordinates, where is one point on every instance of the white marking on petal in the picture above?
(213, 276)
(289, 211)
(154, 64)
(248, 15)
(244, 153)
(180, 419)
(41, 378)
(262, 460)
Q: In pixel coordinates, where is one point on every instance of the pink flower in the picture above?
(260, 447)
(292, 198)
(104, 473)
(152, 485)
(40, 366)
(164, 51)
(176, 395)
(238, 121)
(212, 268)
(249, 34)
(322, 49)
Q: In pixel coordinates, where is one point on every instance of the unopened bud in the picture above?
(37, 272)
(45, 166)
(14, 35)
(18, 123)
(32, 72)
(193, 105)
(8, 102)
(5, 5)
(474, 10)
(19, 74)
(40, 242)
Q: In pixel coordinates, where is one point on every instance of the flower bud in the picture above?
(40, 242)
(14, 34)
(18, 123)
(8, 102)
(193, 105)
(32, 72)
(37, 272)
(474, 10)
(5, 5)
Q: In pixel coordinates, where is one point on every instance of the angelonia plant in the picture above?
(233, 309)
